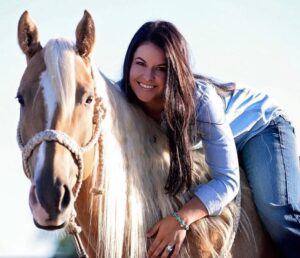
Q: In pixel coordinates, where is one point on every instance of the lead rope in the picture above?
(72, 228)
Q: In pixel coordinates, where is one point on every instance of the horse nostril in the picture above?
(66, 198)
(54, 196)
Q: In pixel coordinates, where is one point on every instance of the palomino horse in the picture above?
(96, 161)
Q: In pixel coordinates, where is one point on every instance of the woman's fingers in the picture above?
(153, 230)
(166, 233)
(168, 249)
(176, 250)
(156, 243)
(159, 250)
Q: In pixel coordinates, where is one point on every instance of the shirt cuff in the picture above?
(211, 199)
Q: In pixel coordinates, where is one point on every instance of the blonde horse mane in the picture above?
(136, 165)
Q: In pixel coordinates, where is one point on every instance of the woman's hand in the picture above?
(168, 231)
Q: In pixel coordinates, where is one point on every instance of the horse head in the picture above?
(57, 123)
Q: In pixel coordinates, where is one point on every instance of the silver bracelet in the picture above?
(180, 221)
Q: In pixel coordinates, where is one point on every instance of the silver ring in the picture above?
(169, 248)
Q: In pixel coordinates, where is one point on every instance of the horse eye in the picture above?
(89, 100)
(20, 100)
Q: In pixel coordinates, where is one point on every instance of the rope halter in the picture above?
(65, 140)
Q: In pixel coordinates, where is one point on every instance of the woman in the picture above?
(157, 76)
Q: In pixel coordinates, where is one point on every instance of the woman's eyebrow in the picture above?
(140, 59)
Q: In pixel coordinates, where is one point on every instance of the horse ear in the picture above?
(28, 36)
(85, 35)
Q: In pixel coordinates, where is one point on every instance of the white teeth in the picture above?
(145, 86)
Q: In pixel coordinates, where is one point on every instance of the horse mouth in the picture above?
(50, 227)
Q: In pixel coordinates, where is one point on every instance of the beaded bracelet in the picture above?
(180, 221)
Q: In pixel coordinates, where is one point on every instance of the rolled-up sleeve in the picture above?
(220, 153)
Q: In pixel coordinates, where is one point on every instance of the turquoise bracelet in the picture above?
(180, 221)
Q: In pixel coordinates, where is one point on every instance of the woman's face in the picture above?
(147, 75)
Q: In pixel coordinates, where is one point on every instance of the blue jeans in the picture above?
(272, 167)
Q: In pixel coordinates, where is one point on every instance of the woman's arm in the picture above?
(220, 154)
(212, 197)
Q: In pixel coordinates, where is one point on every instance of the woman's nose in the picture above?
(149, 74)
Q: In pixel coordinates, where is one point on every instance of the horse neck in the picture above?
(130, 137)
(89, 200)
(86, 207)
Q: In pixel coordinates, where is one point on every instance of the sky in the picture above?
(254, 43)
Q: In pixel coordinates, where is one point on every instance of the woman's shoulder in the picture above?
(202, 88)
(209, 105)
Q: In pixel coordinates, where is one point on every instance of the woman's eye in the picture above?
(161, 68)
(139, 63)
(89, 100)
(21, 100)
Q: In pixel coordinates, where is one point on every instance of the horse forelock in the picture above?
(60, 74)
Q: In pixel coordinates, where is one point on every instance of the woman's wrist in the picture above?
(181, 222)
(192, 211)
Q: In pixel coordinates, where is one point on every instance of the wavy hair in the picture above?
(179, 101)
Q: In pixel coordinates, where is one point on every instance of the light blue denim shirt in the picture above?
(224, 124)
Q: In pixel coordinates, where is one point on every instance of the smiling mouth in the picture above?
(146, 86)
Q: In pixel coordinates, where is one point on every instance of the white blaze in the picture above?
(50, 104)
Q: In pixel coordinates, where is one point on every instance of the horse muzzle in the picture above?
(54, 214)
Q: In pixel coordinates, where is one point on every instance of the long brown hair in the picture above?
(179, 104)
